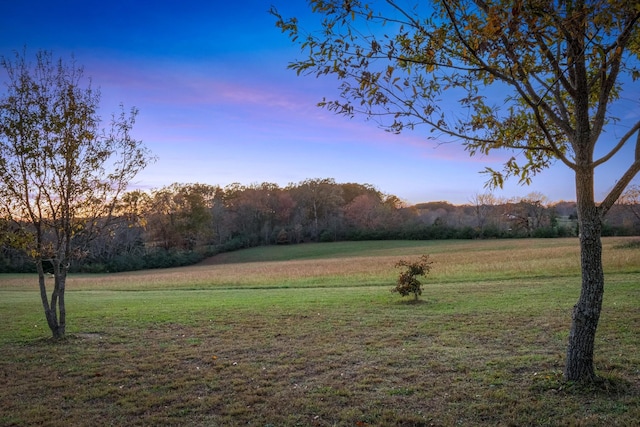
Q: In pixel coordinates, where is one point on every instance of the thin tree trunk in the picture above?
(62, 311)
(54, 310)
(48, 313)
(586, 313)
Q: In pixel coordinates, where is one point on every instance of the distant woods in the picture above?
(183, 223)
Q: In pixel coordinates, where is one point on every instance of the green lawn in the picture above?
(311, 335)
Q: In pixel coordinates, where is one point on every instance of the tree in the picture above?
(60, 173)
(194, 219)
(408, 282)
(257, 210)
(541, 79)
(180, 216)
(483, 205)
(321, 201)
(162, 211)
(631, 200)
(365, 212)
(528, 214)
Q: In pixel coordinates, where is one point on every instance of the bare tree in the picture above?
(630, 199)
(483, 206)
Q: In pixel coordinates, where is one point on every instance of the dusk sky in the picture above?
(218, 105)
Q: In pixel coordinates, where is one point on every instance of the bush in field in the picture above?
(407, 280)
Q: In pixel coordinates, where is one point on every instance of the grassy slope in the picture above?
(309, 334)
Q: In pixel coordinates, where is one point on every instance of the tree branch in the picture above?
(619, 145)
(622, 183)
(608, 82)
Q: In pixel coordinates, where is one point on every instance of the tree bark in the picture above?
(54, 310)
(586, 313)
(61, 280)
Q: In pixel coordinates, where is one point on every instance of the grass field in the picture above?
(310, 335)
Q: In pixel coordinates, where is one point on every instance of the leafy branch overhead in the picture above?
(517, 70)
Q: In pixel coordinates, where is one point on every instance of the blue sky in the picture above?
(217, 104)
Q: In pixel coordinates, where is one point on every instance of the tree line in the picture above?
(181, 224)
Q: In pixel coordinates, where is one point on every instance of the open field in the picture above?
(311, 335)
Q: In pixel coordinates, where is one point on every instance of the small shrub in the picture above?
(407, 280)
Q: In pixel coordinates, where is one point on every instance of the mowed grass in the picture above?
(311, 335)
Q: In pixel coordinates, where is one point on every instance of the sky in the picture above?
(217, 104)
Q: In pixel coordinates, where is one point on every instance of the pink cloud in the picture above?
(196, 104)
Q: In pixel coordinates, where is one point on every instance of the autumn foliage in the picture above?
(408, 282)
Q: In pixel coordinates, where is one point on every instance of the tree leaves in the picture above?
(60, 173)
(540, 60)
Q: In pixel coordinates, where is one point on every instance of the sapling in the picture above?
(408, 282)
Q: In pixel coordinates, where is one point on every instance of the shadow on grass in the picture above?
(601, 385)
(412, 302)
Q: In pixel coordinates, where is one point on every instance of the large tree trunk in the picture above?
(586, 313)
